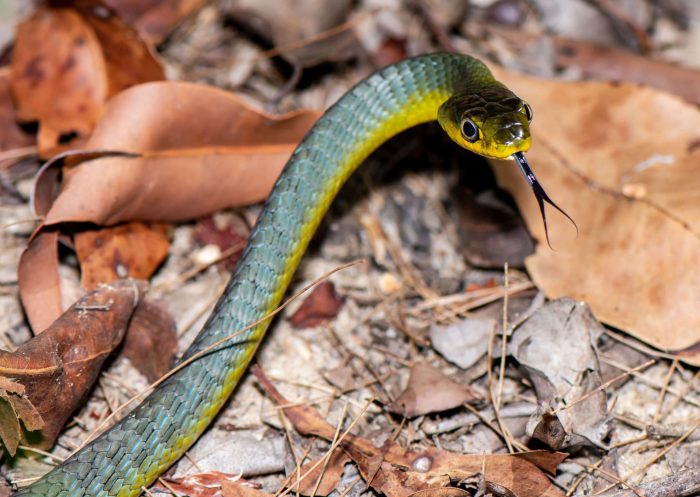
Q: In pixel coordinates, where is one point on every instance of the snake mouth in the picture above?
(540, 195)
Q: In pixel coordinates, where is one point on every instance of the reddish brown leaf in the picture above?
(397, 472)
(322, 304)
(67, 61)
(58, 367)
(132, 250)
(39, 284)
(429, 390)
(230, 236)
(58, 75)
(151, 340)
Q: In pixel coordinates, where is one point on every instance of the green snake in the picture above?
(476, 111)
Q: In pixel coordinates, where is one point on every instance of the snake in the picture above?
(476, 111)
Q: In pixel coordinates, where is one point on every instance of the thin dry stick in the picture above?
(504, 340)
(604, 386)
(56, 458)
(213, 346)
(332, 448)
(608, 475)
(167, 285)
(654, 459)
(288, 436)
(169, 487)
(664, 388)
(197, 315)
(329, 454)
(582, 476)
(494, 428)
(678, 398)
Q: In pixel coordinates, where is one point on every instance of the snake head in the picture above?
(490, 121)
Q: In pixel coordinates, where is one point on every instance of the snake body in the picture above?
(133, 453)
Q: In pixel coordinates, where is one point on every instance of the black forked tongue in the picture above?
(540, 194)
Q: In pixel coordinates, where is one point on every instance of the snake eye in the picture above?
(469, 130)
(528, 111)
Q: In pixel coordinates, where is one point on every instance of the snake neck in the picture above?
(380, 107)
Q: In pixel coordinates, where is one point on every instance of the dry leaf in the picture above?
(429, 390)
(151, 339)
(330, 473)
(463, 343)
(15, 406)
(133, 250)
(322, 304)
(175, 162)
(623, 161)
(397, 472)
(209, 484)
(556, 347)
(59, 367)
(67, 61)
(154, 19)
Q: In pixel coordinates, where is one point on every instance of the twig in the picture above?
(664, 388)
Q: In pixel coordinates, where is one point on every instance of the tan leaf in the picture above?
(623, 161)
(429, 390)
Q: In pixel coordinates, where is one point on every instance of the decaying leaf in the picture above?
(58, 367)
(398, 472)
(322, 304)
(229, 235)
(151, 340)
(556, 347)
(623, 161)
(67, 61)
(429, 390)
(229, 153)
(131, 250)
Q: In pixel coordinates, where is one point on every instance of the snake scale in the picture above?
(475, 110)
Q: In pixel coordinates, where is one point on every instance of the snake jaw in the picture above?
(540, 194)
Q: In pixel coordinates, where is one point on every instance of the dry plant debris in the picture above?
(429, 370)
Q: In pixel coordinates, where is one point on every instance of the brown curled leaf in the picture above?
(150, 160)
(58, 367)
